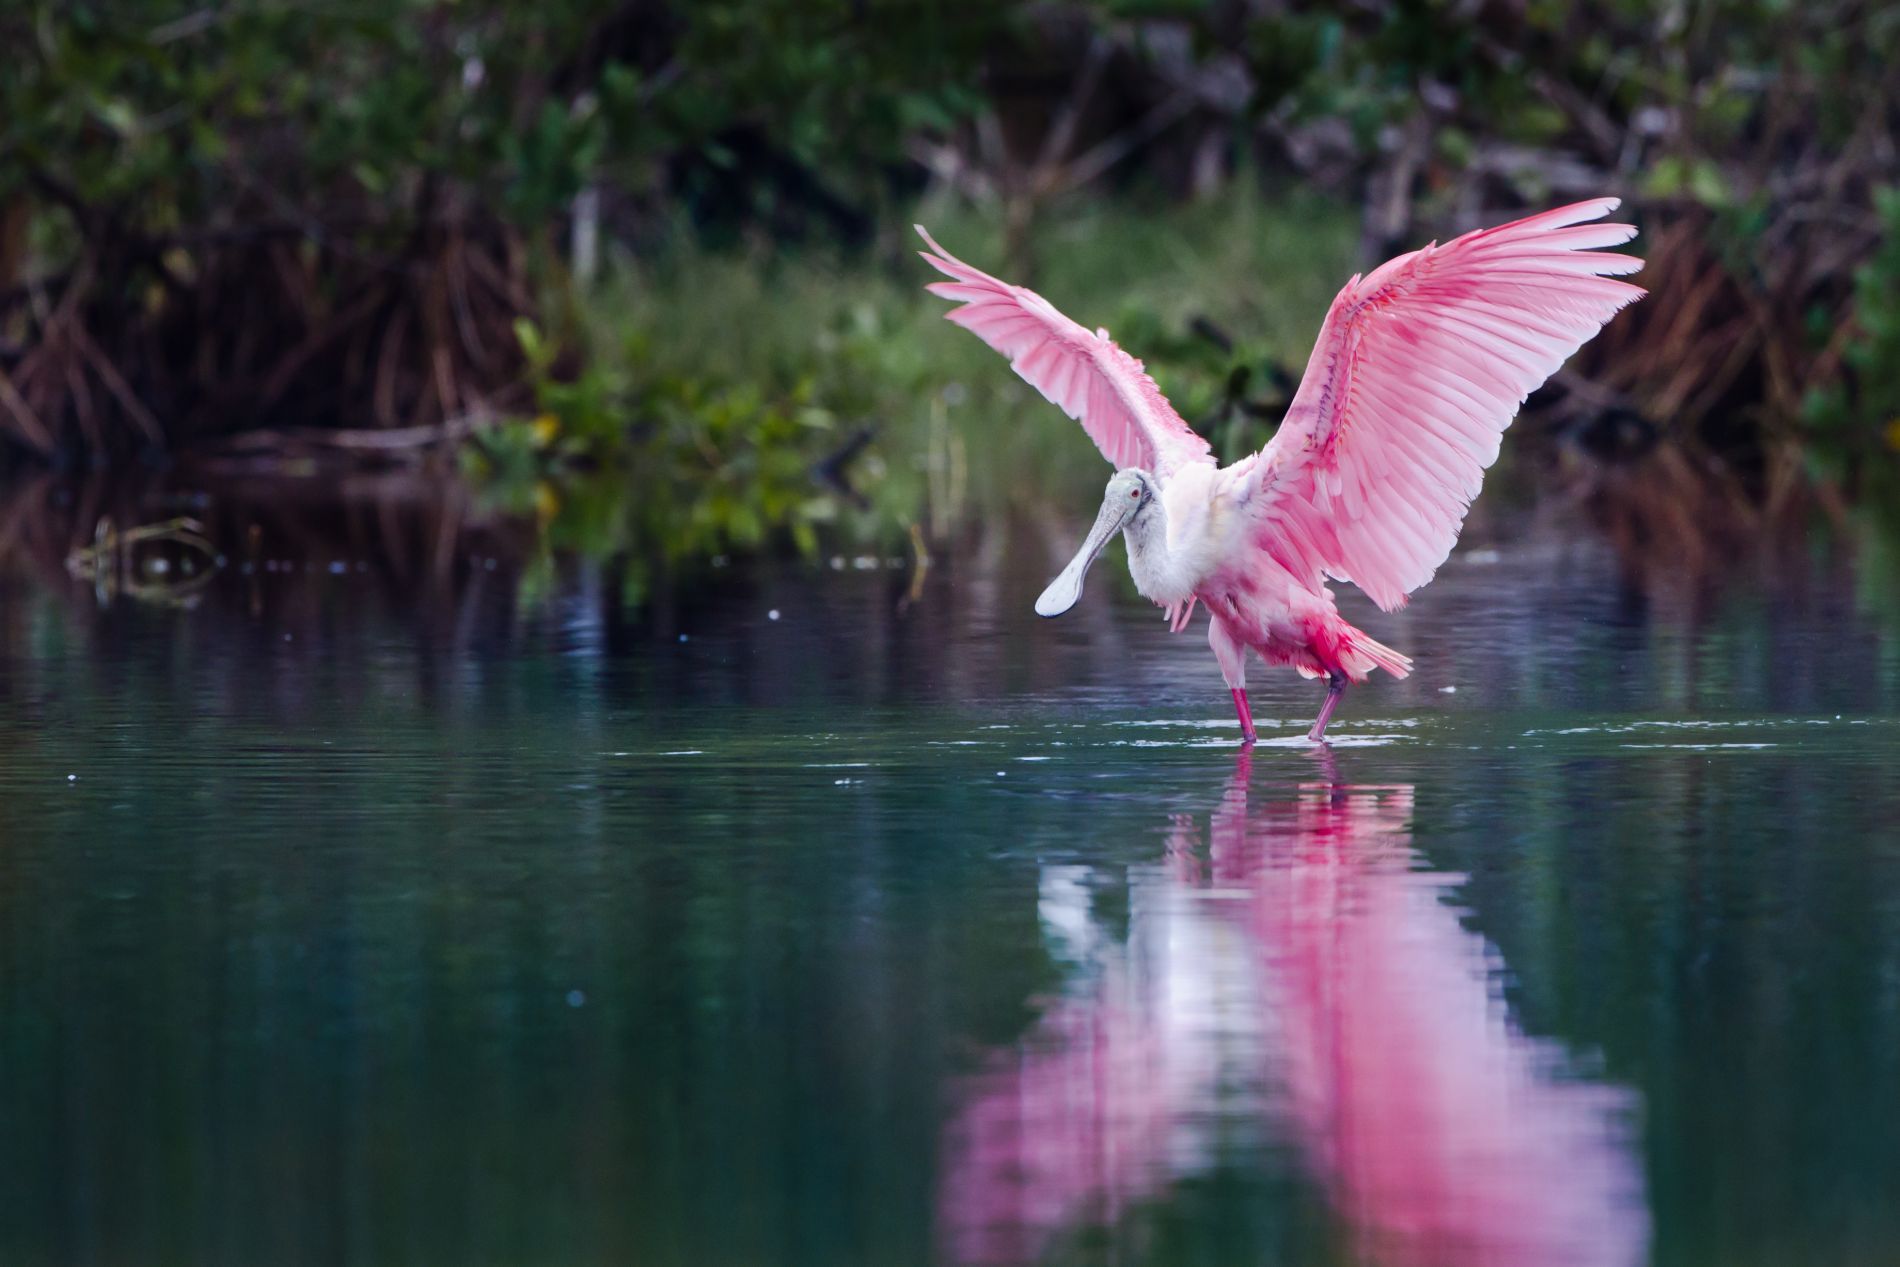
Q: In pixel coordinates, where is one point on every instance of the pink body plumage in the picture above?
(1419, 368)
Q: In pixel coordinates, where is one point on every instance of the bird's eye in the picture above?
(1134, 492)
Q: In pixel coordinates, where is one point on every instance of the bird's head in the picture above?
(1130, 495)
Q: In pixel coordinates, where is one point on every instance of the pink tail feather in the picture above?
(1361, 654)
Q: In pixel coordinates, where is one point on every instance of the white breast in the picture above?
(1170, 559)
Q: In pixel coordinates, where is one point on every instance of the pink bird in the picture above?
(1419, 368)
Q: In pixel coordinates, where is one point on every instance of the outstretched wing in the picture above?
(1086, 375)
(1419, 368)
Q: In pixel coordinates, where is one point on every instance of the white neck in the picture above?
(1158, 573)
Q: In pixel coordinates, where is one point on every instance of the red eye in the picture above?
(1134, 492)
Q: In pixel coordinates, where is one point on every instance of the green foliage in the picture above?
(1861, 409)
(714, 383)
(1572, 79)
(341, 207)
(164, 117)
(386, 146)
(838, 85)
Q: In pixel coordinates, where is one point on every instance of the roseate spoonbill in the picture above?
(1420, 366)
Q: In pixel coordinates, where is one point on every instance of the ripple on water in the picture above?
(1260, 723)
(1749, 723)
(1298, 740)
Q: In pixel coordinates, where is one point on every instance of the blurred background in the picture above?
(525, 739)
(635, 278)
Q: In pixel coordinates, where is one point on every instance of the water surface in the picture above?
(810, 916)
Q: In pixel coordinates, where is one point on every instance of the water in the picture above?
(343, 920)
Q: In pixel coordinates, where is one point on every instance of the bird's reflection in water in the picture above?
(1289, 977)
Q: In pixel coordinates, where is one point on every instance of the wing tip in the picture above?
(940, 259)
(1582, 212)
(1556, 218)
(1588, 208)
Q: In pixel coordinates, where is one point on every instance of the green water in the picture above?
(336, 926)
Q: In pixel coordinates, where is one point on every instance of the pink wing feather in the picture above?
(1418, 370)
(1084, 374)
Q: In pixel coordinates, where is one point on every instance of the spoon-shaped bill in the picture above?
(1066, 588)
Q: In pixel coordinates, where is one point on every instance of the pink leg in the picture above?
(1335, 687)
(1246, 715)
(1232, 654)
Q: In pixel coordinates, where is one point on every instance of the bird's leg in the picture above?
(1232, 654)
(1246, 714)
(1335, 687)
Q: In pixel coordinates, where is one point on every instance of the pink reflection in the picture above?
(1301, 975)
